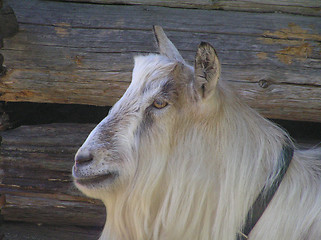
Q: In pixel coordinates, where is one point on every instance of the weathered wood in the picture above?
(25, 231)
(8, 22)
(35, 174)
(303, 7)
(46, 210)
(8, 28)
(80, 53)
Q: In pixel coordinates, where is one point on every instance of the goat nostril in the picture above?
(83, 158)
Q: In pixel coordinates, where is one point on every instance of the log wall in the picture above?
(35, 177)
(83, 53)
(302, 7)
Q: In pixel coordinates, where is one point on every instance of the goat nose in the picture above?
(83, 157)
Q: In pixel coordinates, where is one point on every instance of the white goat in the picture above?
(180, 156)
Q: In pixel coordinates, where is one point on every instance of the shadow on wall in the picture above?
(23, 113)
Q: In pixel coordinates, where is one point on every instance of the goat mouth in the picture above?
(91, 181)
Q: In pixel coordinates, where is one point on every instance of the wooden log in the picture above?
(25, 231)
(35, 176)
(8, 22)
(302, 7)
(47, 210)
(85, 56)
(36, 179)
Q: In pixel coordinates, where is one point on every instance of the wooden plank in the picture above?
(35, 176)
(46, 210)
(85, 56)
(25, 231)
(36, 179)
(8, 22)
(302, 7)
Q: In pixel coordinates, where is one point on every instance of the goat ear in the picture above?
(165, 46)
(207, 69)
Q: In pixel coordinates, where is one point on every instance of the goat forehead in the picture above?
(151, 70)
(151, 75)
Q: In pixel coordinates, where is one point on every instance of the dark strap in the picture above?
(266, 195)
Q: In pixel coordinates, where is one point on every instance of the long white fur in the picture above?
(196, 173)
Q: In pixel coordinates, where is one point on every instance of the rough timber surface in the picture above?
(35, 176)
(31, 231)
(302, 7)
(83, 53)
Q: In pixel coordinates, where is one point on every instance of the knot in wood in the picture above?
(264, 83)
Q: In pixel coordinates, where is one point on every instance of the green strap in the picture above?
(266, 195)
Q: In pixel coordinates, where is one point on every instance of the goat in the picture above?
(181, 156)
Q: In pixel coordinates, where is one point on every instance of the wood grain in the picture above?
(302, 7)
(35, 176)
(36, 179)
(72, 53)
(25, 231)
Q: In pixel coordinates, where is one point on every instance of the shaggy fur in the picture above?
(192, 169)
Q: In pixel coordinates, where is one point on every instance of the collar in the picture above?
(266, 195)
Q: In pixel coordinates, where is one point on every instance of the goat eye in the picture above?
(160, 104)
